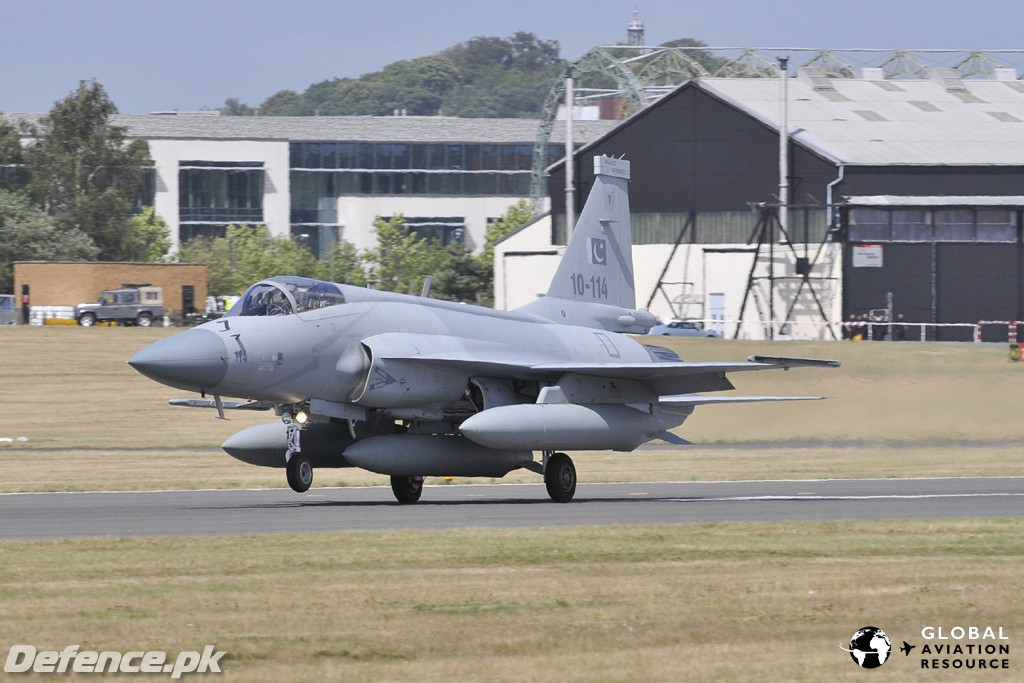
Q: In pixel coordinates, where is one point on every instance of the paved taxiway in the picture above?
(59, 515)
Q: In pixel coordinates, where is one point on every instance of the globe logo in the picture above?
(869, 647)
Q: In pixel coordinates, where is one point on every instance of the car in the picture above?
(684, 328)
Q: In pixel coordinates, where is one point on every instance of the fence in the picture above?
(868, 331)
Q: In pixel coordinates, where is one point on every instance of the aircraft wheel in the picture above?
(407, 489)
(560, 478)
(300, 473)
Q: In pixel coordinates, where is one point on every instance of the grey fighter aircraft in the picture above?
(411, 387)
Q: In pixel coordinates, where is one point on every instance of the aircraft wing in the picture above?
(681, 377)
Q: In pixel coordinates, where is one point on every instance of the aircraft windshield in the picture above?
(287, 295)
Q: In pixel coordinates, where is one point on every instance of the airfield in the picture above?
(752, 555)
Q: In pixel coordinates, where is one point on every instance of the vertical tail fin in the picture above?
(593, 286)
(597, 266)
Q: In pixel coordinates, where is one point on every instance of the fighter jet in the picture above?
(409, 386)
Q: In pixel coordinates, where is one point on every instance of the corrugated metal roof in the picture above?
(968, 123)
(345, 128)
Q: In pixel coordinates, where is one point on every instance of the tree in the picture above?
(83, 172)
(233, 107)
(148, 237)
(28, 234)
(343, 264)
(402, 259)
(246, 255)
(282, 103)
(515, 217)
(13, 174)
(464, 277)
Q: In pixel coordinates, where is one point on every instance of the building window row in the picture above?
(368, 156)
(220, 192)
(962, 224)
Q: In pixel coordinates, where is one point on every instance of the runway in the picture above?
(217, 512)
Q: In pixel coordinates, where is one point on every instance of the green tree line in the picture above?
(486, 76)
(73, 193)
(400, 262)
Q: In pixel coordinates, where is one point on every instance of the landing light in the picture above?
(301, 417)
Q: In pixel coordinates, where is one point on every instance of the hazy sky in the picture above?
(190, 54)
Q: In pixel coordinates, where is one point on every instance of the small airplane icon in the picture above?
(907, 647)
(410, 386)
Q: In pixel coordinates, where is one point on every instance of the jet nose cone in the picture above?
(194, 360)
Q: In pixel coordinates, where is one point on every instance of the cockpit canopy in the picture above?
(285, 296)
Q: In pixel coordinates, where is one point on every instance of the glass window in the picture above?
(869, 225)
(489, 157)
(295, 154)
(997, 225)
(400, 155)
(383, 184)
(310, 155)
(346, 155)
(328, 155)
(508, 158)
(555, 152)
(471, 183)
(471, 157)
(911, 225)
(365, 152)
(347, 183)
(524, 157)
(451, 183)
(435, 156)
(220, 195)
(419, 156)
(383, 155)
(954, 225)
(366, 183)
(455, 157)
(419, 183)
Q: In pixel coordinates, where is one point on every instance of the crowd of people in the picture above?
(874, 327)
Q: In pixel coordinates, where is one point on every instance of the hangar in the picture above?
(910, 187)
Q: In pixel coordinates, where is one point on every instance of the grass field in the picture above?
(734, 602)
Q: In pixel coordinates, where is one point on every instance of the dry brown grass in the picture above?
(737, 602)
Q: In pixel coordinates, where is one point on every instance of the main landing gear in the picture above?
(407, 490)
(297, 466)
(559, 477)
(300, 473)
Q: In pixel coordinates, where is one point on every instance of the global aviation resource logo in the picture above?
(869, 647)
(944, 647)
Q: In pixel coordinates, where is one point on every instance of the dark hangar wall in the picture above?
(932, 181)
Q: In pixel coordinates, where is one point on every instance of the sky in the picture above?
(194, 54)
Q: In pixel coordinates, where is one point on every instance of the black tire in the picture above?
(560, 478)
(144, 320)
(87, 320)
(407, 490)
(300, 473)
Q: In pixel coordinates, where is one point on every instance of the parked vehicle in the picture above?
(8, 310)
(126, 306)
(684, 328)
